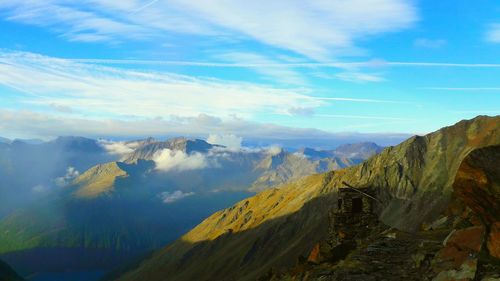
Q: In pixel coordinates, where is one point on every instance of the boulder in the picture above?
(457, 260)
(493, 242)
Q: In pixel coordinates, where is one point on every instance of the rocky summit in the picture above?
(426, 209)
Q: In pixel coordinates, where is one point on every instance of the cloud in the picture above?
(39, 188)
(359, 77)
(315, 29)
(429, 43)
(99, 90)
(170, 197)
(274, 150)
(230, 141)
(281, 73)
(344, 116)
(72, 22)
(474, 89)
(301, 111)
(61, 108)
(493, 33)
(178, 160)
(118, 148)
(377, 63)
(71, 173)
(43, 125)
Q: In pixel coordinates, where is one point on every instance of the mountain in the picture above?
(279, 228)
(4, 140)
(363, 150)
(115, 210)
(30, 171)
(148, 149)
(7, 273)
(283, 167)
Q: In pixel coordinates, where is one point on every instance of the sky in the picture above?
(282, 68)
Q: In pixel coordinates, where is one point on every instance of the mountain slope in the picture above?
(283, 167)
(28, 171)
(98, 179)
(274, 228)
(7, 273)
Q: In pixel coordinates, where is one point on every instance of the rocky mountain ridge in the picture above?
(278, 227)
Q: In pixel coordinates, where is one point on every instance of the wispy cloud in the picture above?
(475, 112)
(284, 74)
(357, 100)
(493, 33)
(90, 88)
(315, 29)
(33, 124)
(145, 6)
(377, 63)
(429, 43)
(74, 23)
(363, 117)
(359, 77)
(467, 89)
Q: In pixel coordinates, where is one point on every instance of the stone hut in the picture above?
(354, 214)
(354, 202)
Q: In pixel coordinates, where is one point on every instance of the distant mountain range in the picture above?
(86, 198)
(271, 232)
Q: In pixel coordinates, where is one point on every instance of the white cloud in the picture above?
(274, 150)
(301, 111)
(170, 197)
(429, 43)
(178, 160)
(38, 188)
(230, 141)
(316, 29)
(92, 89)
(42, 125)
(118, 147)
(281, 73)
(493, 33)
(359, 77)
(71, 173)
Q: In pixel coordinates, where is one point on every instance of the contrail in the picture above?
(297, 65)
(145, 6)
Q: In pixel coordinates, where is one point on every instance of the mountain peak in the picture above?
(98, 180)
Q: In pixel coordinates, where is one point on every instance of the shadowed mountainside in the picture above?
(276, 227)
(7, 273)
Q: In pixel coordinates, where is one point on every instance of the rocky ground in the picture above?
(463, 244)
(394, 255)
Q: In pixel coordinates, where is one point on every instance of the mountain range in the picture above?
(427, 221)
(101, 203)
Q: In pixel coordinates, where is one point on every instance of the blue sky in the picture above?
(250, 68)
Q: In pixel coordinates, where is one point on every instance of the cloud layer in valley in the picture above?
(178, 160)
(230, 141)
(170, 197)
(71, 173)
